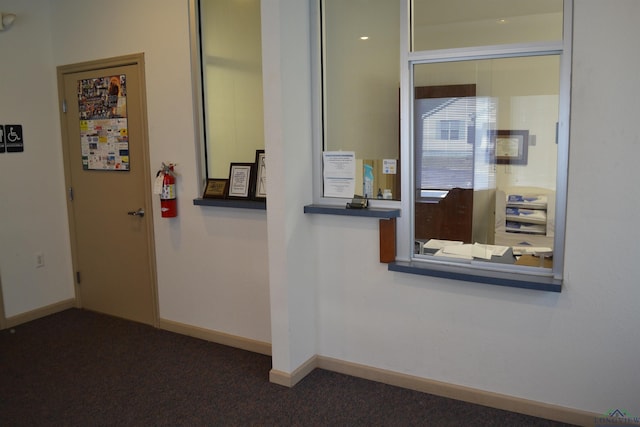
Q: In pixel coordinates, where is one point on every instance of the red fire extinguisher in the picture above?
(168, 202)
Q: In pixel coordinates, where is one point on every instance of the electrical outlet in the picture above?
(39, 257)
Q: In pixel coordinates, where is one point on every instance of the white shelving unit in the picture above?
(525, 217)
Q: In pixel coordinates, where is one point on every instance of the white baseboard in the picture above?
(289, 380)
(466, 394)
(217, 337)
(39, 312)
(438, 388)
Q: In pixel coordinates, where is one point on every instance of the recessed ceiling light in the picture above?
(364, 38)
(502, 21)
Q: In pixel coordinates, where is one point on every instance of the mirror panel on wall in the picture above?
(446, 24)
(361, 90)
(231, 60)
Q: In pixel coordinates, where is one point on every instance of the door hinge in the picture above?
(64, 105)
(78, 277)
(71, 194)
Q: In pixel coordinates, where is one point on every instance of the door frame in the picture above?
(136, 60)
(3, 319)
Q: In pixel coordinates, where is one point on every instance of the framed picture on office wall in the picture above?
(260, 186)
(240, 180)
(511, 146)
(216, 189)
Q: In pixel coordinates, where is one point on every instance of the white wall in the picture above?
(33, 213)
(212, 263)
(293, 259)
(329, 295)
(576, 349)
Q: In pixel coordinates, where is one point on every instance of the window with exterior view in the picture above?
(459, 137)
(488, 100)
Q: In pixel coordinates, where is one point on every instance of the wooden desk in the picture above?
(450, 218)
(534, 261)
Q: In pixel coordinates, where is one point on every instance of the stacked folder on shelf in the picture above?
(526, 213)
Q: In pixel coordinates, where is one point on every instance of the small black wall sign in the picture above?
(13, 138)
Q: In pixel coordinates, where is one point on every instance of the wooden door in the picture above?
(108, 179)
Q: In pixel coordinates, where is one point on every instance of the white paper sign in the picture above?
(389, 166)
(339, 173)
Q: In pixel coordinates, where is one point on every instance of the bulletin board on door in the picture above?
(104, 137)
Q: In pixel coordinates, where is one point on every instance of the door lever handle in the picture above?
(139, 212)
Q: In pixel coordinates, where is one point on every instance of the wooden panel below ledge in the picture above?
(387, 240)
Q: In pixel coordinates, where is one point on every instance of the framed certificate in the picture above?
(240, 177)
(261, 176)
(216, 189)
(512, 146)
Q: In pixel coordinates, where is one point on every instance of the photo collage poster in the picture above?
(104, 138)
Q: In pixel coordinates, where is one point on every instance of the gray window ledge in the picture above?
(343, 210)
(513, 280)
(232, 203)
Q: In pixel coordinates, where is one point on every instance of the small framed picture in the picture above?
(260, 186)
(512, 146)
(240, 180)
(216, 189)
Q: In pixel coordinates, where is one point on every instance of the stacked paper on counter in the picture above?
(439, 244)
(531, 250)
(469, 251)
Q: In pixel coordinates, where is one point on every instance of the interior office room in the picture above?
(309, 289)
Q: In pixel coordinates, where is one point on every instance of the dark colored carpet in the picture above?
(79, 368)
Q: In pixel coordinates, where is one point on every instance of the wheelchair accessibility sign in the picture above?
(11, 139)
